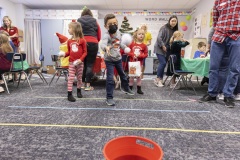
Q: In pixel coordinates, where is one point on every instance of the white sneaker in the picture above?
(160, 84)
(221, 96)
(237, 97)
(1, 89)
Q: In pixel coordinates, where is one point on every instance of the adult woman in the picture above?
(162, 47)
(12, 31)
(92, 34)
(5, 65)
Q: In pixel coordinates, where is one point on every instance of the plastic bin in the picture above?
(132, 148)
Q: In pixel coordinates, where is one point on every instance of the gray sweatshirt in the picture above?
(163, 38)
(114, 51)
(210, 36)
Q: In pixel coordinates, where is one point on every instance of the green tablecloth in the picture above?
(200, 66)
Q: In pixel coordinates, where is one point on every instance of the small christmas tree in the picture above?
(125, 27)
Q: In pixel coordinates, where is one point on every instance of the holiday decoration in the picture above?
(182, 24)
(125, 27)
(184, 28)
(188, 17)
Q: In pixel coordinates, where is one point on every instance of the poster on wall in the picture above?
(197, 26)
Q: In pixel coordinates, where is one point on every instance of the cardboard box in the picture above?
(50, 69)
(20, 35)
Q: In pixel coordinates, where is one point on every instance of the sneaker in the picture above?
(229, 102)
(237, 97)
(129, 92)
(220, 96)
(110, 102)
(160, 83)
(207, 98)
(1, 89)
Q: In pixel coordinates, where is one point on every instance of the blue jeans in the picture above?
(223, 71)
(161, 66)
(110, 84)
(230, 48)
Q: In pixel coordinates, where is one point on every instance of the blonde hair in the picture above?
(5, 46)
(4, 25)
(4, 32)
(144, 26)
(175, 35)
(135, 34)
(77, 29)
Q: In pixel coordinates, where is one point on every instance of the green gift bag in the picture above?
(18, 65)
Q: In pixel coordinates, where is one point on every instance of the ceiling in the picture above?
(110, 4)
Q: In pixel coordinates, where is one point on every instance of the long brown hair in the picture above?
(77, 30)
(5, 46)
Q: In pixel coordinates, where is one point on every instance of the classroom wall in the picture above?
(203, 8)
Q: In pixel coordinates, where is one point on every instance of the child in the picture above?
(201, 50)
(139, 52)
(111, 46)
(77, 51)
(176, 42)
(5, 65)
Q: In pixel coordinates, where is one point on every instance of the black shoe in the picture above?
(229, 102)
(204, 80)
(70, 97)
(79, 94)
(139, 90)
(131, 87)
(207, 98)
(129, 92)
(110, 102)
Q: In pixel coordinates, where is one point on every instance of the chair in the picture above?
(183, 75)
(59, 70)
(38, 70)
(16, 57)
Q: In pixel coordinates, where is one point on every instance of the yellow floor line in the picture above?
(119, 128)
(156, 100)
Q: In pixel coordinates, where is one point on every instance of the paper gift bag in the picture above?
(134, 69)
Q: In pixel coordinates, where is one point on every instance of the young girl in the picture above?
(139, 52)
(77, 51)
(5, 65)
(177, 43)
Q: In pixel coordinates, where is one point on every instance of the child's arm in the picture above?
(144, 54)
(196, 55)
(104, 45)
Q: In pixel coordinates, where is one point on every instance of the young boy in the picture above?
(112, 56)
(201, 50)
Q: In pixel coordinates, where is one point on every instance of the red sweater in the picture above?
(77, 49)
(140, 49)
(11, 32)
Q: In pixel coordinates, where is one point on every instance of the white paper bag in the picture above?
(134, 69)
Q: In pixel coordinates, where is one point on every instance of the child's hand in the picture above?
(202, 56)
(164, 48)
(61, 54)
(108, 50)
(77, 62)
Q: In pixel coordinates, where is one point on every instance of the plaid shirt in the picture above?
(226, 20)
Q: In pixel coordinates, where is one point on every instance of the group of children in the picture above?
(111, 45)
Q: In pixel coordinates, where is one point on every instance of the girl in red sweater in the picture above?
(77, 51)
(139, 52)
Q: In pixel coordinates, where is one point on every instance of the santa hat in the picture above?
(62, 38)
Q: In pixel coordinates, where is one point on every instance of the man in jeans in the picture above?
(224, 41)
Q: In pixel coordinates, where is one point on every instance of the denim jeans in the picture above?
(231, 48)
(110, 84)
(223, 71)
(161, 66)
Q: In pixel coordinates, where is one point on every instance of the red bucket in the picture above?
(132, 148)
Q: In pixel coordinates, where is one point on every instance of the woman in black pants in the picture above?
(92, 34)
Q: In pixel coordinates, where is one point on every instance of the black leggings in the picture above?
(92, 49)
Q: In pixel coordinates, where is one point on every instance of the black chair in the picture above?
(59, 70)
(37, 69)
(16, 57)
(181, 74)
